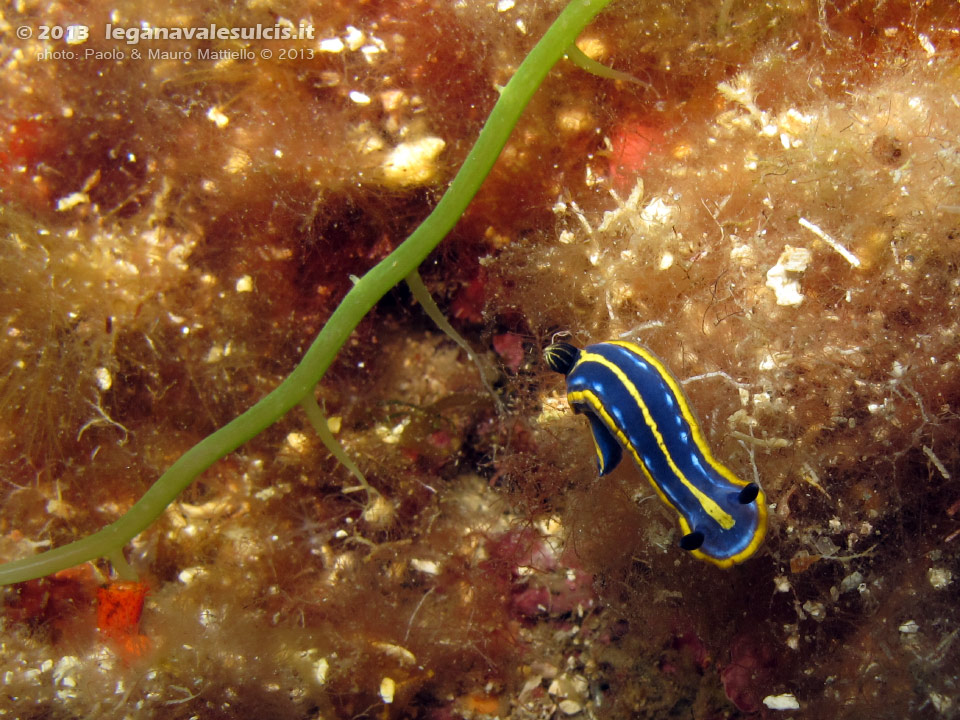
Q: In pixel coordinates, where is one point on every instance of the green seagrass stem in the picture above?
(361, 298)
(423, 296)
(583, 61)
(120, 565)
(319, 421)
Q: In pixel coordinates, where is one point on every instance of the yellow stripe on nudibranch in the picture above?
(684, 406)
(713, 510)
(597, 406)
(638, 405)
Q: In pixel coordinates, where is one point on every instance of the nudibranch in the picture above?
(635, 404)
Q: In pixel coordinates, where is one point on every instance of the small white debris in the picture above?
(768, 362)
(941, 702)
(939, 577)
(244, 284)
(370, 144)
(569, 686)
(814, 609)
(784, 277)
(909, 627)
(359, 98)
(379, 512)
(412, 163)
(532, 684)
(68, 202)
(296, 442)
(266, 494)
(354, 38)
(815, 229)
(505, 5)
(62, 671)
(391, 436)
(795, 122)
(741, 91)
(744, 254)
(387, 688)
(104, 378)
(851, 582)
(188, 575)
(393, 99)
(370, 52)
(928, 47)
(569, 707)
(398, 652)
(320, 669)
(666, 261)
(216, 116)
(237, 162)
(781, 702)
(659, 212)
(217, 352)
(781, 583)
(425, 566)
(332, 45)
(574, 120)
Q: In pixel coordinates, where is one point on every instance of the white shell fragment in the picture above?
(909, 627)
(104, 378)
(412, 163)
(781, 702)
(939, 577)
(387, 688)
(320, 669)
(784, 277)
(359, 98)
(332, 45)
(217, 117)
(68, 202)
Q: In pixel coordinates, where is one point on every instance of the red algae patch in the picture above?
(119, 607)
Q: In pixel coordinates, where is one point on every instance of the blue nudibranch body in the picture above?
(635, 404)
